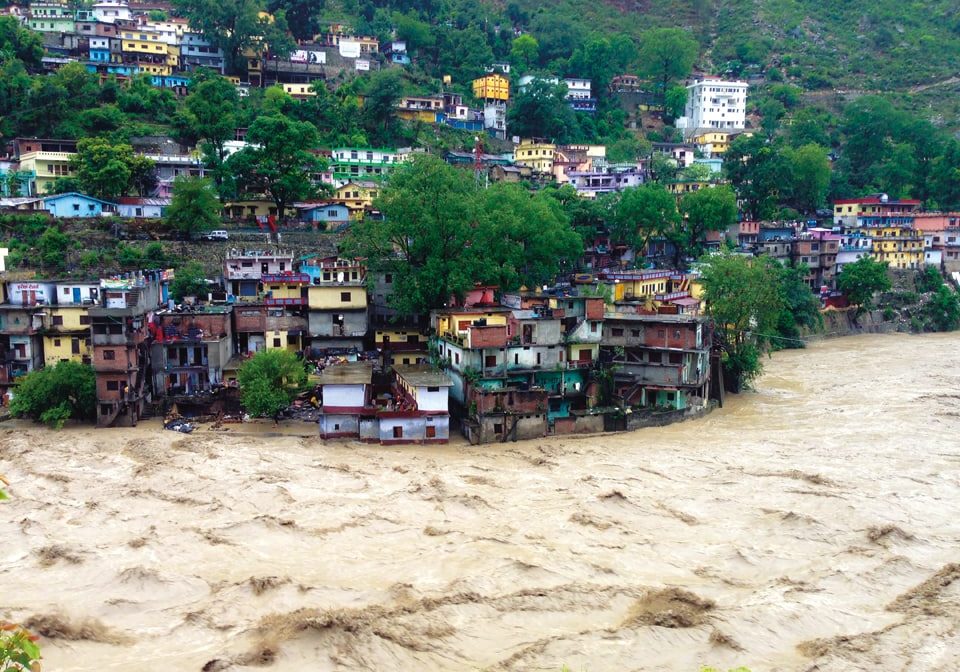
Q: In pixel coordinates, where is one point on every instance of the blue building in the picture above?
(73, 204)
(330, 214)
(100, 55)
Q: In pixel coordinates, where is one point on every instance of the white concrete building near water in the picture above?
(714, 103)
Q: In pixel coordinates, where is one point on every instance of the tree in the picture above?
(269, 381)
(860, 280)
(759, 173)
(381, 93)
(23, 44)
(643, 213)
(189, 280)
(667, 55)
(109, 171)
(232, 25)
(441, 234)
(663, 168)
(18, 648)
(194, 207)
(743, 296)
(524, 52)
(675, 102)
(801, 308)
(541, 111)
(943, 310)
(811, 177)
(708, 209)
(210, 114)
(302, 15)
(279, 159)
(54, 394)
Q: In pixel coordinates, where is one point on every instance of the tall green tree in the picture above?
(541, 111)
(108, 171)
(743, 296)
(189, 280)
(381, 93)
(642, 213)
(708, 209)
(441, 234)
(269, 381)
(667, 55)
(210, 113)
(279, 160)
(861, 280)
(811, 177)
(232, 25)
(194, 207)
(524, 52)
(760, 174)
(943, 310)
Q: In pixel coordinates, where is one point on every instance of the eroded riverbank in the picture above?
(813, 522)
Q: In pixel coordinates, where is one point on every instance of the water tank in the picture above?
(884, 198)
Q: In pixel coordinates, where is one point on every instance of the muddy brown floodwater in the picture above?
(813, 524)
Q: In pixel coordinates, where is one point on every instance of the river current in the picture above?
(813, 523)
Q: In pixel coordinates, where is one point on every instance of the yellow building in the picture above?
(681, 187)
(637, 285)
(456, 323)
(46, 166)
(253, 208)
(538, 156)
(337, 297)
(899, 246)
(492, 87)
(299, 90)
(358, 195)
(66, 335)
(282, 339)
(716, 143)
(284, 289)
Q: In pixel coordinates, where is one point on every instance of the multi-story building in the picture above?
(336, 304)
(121, 346)
(898, 246)
(345, 397)
(854, 245)
(492, 87)
(51, 17)
(66, 325)
(198, 52)
(818, 249)
(417, 411)
(714, 103)
(111, 11)
(658, 360)
(243, 270)
(21, 326)
(362, 163)
(42, 161)
(597, 183)
(190, 347)
(536, 154)
(873, 211)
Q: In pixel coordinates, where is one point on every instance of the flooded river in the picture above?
(813, 524)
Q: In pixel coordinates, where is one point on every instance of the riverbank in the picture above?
(811, 523)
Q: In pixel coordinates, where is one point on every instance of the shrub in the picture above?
(269, 381)
(55, 394)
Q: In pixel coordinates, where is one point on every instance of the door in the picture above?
(76, 295)
(75, 346)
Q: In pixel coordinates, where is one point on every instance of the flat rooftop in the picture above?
(349, 373)
(422, 375)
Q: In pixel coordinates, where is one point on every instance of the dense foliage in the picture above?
(54, 394)
(269, 381)
(861, 280)
(442, 233)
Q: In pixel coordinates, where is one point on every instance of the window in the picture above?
(76, 207)
(56, 342)
(498, 428)
(661, 333)
(635, 333)
(398, 432)
(58, 320)
(616, 332)
(431, 432)
(676, 358)
(344, 297)
(388, 278)
(593, 327)
(490, 361)
(109, 355)
(276, 342)
(113, 385)
(456, 357)
(655, 357)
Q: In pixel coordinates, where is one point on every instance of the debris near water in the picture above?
(669, 608)
(50, 555)
(58, 626)
(925, 597)
(876, 534)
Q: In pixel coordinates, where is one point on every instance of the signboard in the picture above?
(363, 65)
(303, 56)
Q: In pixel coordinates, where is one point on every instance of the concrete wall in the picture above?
(344, 396)
(322, 323)
(334, 426)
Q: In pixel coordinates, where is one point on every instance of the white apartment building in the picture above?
(111, 10)
(714, 104)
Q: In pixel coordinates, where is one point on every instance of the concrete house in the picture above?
(345, 396)
(78, 205)
(190, 348)
(417, 412)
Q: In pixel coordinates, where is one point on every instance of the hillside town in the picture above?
(620, 339)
